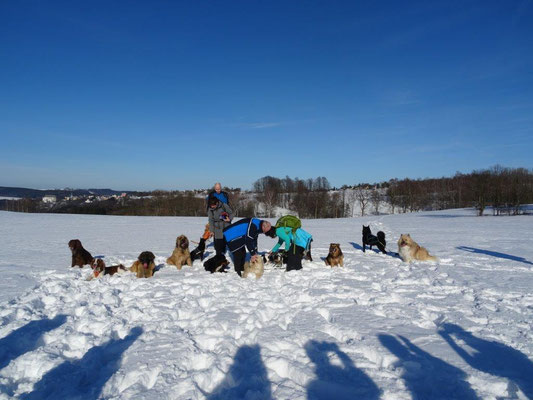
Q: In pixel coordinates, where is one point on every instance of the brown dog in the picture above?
(80, 256)
(144, 266)
(335, 256)
(100, 269)
(257, 267)
(181, 254)
(409, 250)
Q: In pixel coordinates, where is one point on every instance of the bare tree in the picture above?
(376, 198)
(480, 189)
(363, 198)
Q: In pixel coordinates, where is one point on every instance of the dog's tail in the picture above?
(381, 237)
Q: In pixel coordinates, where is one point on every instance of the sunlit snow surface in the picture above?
(377, 328)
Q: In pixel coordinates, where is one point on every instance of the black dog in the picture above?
(198, 252)
(218, 263)
(371, 240)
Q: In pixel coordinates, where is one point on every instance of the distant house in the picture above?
(49, 198)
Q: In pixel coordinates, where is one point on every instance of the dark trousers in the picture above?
(220, 246)
(294, 257)
(308, 253)
(239, 256)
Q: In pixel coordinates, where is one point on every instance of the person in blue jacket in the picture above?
(242, 235)
(217, 193)
(297, 243)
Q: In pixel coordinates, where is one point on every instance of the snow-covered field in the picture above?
(378, 328)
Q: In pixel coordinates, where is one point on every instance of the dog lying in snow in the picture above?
(144, 266)
(277, 258)
(100, 269)
(218, 263)
(80, 256)
(409, 250)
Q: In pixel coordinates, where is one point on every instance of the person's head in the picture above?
(218, 187)
(271, 232)
(213, 202)
(268, 229)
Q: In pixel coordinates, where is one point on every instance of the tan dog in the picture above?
(257, 267)
(181, 254)
(144, 266)
(335, 256)
(409, 250)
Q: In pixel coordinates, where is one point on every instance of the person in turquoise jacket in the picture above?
(296, 245)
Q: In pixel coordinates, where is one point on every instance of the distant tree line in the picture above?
(504, 190)
(156, 203)
(310, 198)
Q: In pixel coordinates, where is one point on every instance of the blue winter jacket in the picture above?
(243, 233)
(222, 196)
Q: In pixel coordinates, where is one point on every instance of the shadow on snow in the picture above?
(86, 377)
(246, 378)
(393, 254)
(339, 381)
(427, 377)
(491, 357)
(494, 254)
(26, 338)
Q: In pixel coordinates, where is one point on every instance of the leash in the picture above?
(207, 242)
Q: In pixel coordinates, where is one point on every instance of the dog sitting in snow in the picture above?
(371, 240)
(80, 256)
(144, 266)
(409, 250)
(335, 256)
(100, 269)
(198, 252)
(218, 263)
(256, 267)
(181, 254)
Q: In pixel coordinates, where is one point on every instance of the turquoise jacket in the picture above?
(301, 238)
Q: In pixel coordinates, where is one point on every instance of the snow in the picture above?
(376, 328)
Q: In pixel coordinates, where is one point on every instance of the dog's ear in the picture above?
(408, 235)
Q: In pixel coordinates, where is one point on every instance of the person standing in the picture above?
(218, 193)
(220, 215)
(242, 235)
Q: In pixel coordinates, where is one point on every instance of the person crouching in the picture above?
(242, 235)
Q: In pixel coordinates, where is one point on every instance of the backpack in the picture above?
(289, 221)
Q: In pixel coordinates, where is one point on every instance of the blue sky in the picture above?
(178, 95)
